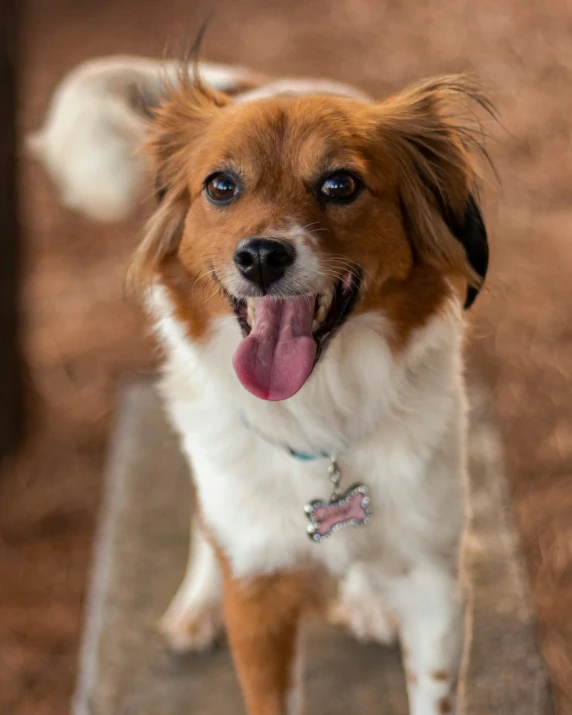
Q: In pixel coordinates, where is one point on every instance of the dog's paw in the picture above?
(192, 629)
(367, 620)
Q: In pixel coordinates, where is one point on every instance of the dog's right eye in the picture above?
(221, 188)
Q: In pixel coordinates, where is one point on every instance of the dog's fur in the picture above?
(387, 394)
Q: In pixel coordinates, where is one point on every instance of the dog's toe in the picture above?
(192, 630)
(367, 621)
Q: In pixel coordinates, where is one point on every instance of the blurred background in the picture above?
(81, 337)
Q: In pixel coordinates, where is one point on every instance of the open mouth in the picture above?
(284, 337)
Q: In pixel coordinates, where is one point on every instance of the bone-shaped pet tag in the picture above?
(349, 508)
(352, 508)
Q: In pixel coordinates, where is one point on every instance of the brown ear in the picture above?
(432, 132)
(174, 127)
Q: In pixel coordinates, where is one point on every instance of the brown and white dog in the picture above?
(306, 269)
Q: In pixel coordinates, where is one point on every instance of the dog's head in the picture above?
(297, 213)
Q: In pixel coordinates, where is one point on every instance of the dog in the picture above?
(307, 270)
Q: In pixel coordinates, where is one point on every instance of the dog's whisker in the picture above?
(203, 274)
(313, 223)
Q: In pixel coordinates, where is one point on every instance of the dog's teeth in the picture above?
(321, 314)
(324, 303)
(327, 297)
(250, 312)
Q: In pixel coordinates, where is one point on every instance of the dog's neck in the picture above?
(335, 409)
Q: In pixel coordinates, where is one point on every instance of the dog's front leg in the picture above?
(194, 619)
(430, 609)
(262, 617)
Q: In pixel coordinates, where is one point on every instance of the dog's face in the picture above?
(297, 213)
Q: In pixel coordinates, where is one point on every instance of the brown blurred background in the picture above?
(81, 337)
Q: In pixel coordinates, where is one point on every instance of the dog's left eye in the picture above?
(221, 188)
(340, 187)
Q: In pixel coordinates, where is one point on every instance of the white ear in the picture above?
(96, 123)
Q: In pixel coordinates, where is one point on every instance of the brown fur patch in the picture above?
(445, 706)
(440, 675)
(194, 298)
(409, 304)
(262, 617)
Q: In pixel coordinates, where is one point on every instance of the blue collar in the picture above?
(308, 457)
(292, 452)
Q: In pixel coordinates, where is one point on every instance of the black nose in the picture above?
(264, 260)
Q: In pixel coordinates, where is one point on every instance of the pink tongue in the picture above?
(276, 359)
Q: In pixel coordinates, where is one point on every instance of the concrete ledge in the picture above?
(140, 558)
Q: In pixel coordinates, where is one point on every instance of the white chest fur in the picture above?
(396, 422)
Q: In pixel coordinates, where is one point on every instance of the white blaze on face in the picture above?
(276, 359)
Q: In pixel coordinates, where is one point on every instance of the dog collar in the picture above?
(292, 452)
(326, 516)
(308, 457)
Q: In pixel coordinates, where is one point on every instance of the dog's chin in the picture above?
(284, 337)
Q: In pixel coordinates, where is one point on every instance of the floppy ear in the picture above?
(469, 229)
(174, 127)
(432, 133)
